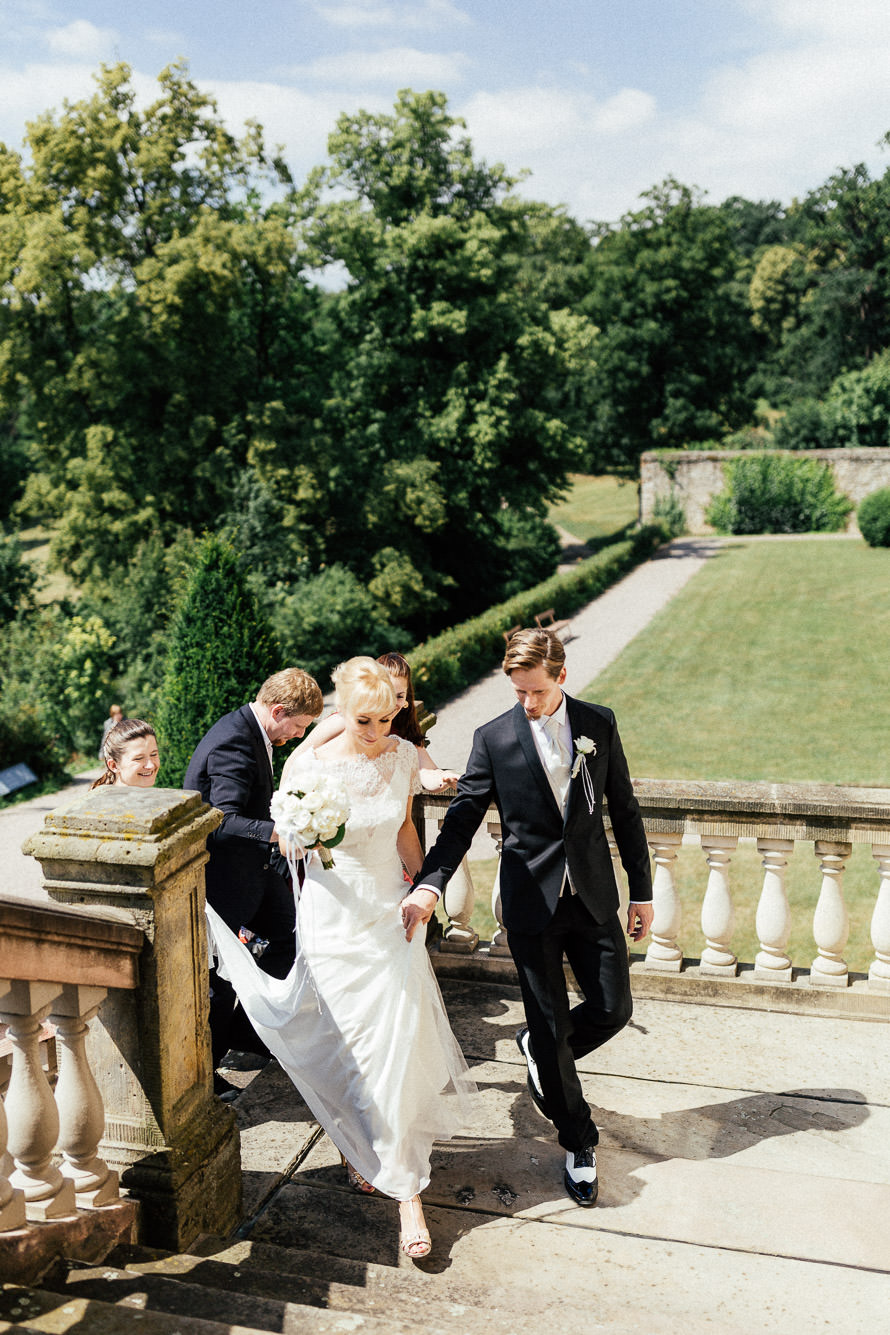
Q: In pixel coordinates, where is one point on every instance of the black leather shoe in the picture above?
(580, 1176)
(224, 1089)
(532, 1080)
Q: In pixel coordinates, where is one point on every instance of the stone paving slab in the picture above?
(744, 1164)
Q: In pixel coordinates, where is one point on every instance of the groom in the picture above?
(557, 884)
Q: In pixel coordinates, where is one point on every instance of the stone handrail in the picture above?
(717, 815)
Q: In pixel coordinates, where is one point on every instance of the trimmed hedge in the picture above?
(455, 659)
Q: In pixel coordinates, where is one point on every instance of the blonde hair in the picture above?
(363, 686)
(294, 690)
(530, 649)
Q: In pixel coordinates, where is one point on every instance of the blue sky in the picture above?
(600, 99)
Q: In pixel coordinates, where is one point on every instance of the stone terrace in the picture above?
(745, 1186)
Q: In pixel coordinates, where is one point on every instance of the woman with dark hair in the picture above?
(130, 752)
(404, 724)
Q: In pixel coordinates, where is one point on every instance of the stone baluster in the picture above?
(879, 970)
(831, 922)
(81, 1113)
(664, 953)
(773, 918)
(30, 1107)
(458, 901)
(620, 879)
(12, 1199)
(717, 915)
(499, 938)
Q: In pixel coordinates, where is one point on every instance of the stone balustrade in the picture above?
(776, 817)
(56, 967)
(123, 980)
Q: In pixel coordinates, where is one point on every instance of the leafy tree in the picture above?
(676, 344)
(858, 405)
(221, 650)
(329, 617)
(153, 311)
(456, 386)
(17, 579)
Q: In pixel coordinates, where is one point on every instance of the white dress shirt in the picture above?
(255, 713)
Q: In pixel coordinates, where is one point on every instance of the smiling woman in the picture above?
(130, 752)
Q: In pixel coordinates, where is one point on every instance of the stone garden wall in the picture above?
(696, 476)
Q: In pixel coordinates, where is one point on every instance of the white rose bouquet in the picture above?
(312, 818)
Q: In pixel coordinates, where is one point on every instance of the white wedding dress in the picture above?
(359, 1023)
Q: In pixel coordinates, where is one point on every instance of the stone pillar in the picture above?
(139, 854)
(831, 922)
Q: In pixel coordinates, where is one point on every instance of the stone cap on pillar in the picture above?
(115, 845)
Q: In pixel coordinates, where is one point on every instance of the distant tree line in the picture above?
(370, 384)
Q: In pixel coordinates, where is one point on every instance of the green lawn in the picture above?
(596, 507)
(771, 664)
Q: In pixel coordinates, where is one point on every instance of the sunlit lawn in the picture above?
(773, 663)
(54, 585)
(596, 507)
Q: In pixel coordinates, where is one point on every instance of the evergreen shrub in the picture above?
(27, 737)
(778, 493)
(873, 518)
(221, 650)
(449, 662)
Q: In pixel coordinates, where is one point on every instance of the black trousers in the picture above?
(559, 1033)
(275, 921)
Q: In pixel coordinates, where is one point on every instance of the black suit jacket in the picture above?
(230, 769)
(539, 840)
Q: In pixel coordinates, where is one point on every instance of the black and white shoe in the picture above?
(580, 1176)
(533, 1080)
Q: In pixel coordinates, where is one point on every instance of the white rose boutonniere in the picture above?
(584, 747)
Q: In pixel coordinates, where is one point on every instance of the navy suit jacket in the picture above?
(230, 769)
(539, 840)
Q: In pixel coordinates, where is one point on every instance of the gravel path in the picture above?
(599, 632)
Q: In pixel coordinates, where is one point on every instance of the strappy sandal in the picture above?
(355, 1180)
(416, 1244)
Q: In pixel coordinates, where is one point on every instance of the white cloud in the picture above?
(82, 40)
(26, 93)
(399, 66)
(427, 16)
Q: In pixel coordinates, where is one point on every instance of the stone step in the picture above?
(34, 1311)
(227, 1294)
(392, 1296)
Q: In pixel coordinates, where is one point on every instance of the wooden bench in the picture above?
(546, 621)
(508, 634)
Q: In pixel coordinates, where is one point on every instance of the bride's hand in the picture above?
(417, 909)
(434, 780)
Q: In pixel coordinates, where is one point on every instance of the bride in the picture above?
(359, 1024)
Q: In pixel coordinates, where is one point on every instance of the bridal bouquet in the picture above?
(314, 817)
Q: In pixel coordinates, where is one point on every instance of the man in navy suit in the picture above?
(247, 880)
(547, 764)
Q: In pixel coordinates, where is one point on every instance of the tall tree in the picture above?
(676, 343)
(153, 310)
(456, 385)
(221, 649)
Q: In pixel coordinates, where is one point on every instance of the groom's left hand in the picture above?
(417, 909)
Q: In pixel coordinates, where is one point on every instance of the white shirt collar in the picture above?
(255, 713)
(558, 714)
